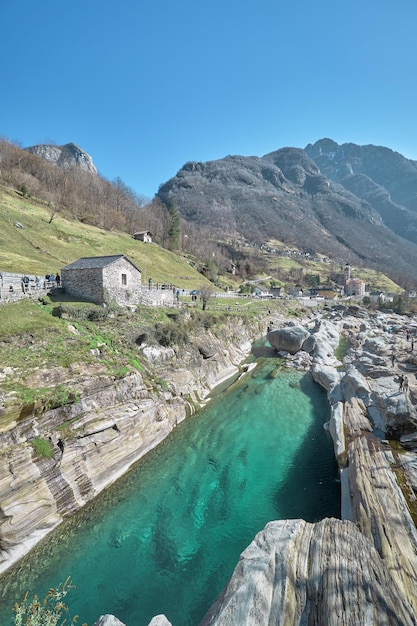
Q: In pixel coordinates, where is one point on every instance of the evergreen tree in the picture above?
(174, 230)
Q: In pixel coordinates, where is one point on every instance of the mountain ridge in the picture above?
(288, 195)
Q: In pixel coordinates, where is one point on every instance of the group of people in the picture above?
(403, 381)
(53, 278)
(402, 378)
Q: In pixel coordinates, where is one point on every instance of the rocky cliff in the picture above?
(69, 155)
(95, 440)
(378, 175)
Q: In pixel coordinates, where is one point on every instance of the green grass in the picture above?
(42, 448)
(41, 247)
(26, 316)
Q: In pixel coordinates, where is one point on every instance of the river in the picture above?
(167, 536)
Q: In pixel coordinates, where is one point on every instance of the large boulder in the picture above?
(326, 375)
(288, 339)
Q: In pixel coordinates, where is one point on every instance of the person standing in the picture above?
(405, 384)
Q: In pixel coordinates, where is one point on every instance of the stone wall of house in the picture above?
(157, 297)
(85, 283)
(122, 294)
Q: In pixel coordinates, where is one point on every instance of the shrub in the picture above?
(60, 396)
(91, 313)
(170, 334)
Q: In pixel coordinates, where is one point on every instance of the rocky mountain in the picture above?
(378, 175)
(291, 196)
(65, 156)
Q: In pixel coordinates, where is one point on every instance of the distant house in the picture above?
(326, 291)
(276, 291)
(231, 268)
(143, 235)
(295, 292)
(103, 278)
(377, 296)
(262, 292)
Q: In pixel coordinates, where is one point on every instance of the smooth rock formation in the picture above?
(111, 620)
(326, 574)
(159, 620)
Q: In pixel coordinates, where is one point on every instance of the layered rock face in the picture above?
(319, 574)
(97, 439)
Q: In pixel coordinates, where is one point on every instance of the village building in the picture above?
(377, 296)
(143, 235)
(296, 292)
(103, 278)
(231, 267)
(355, 287)
(262, 292)
(329, 292)
(276, 291)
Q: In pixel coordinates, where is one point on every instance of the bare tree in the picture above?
(206, 293)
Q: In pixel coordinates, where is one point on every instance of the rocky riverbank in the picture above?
(96, 440)
(358, 570)
(361, 569)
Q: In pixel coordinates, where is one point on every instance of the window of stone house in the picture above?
(124, 279)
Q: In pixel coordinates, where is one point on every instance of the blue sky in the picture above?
(145, 86)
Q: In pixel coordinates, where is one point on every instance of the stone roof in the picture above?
(96, 262)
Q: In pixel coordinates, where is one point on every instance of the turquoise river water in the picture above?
(167, 536)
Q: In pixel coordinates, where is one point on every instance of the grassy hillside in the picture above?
(41, 247)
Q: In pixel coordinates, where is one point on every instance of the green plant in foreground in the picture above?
(50, 612)
(42, 448)
(136, 364)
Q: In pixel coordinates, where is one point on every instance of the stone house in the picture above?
(103, 278)
(143, 235)
(276, 291)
